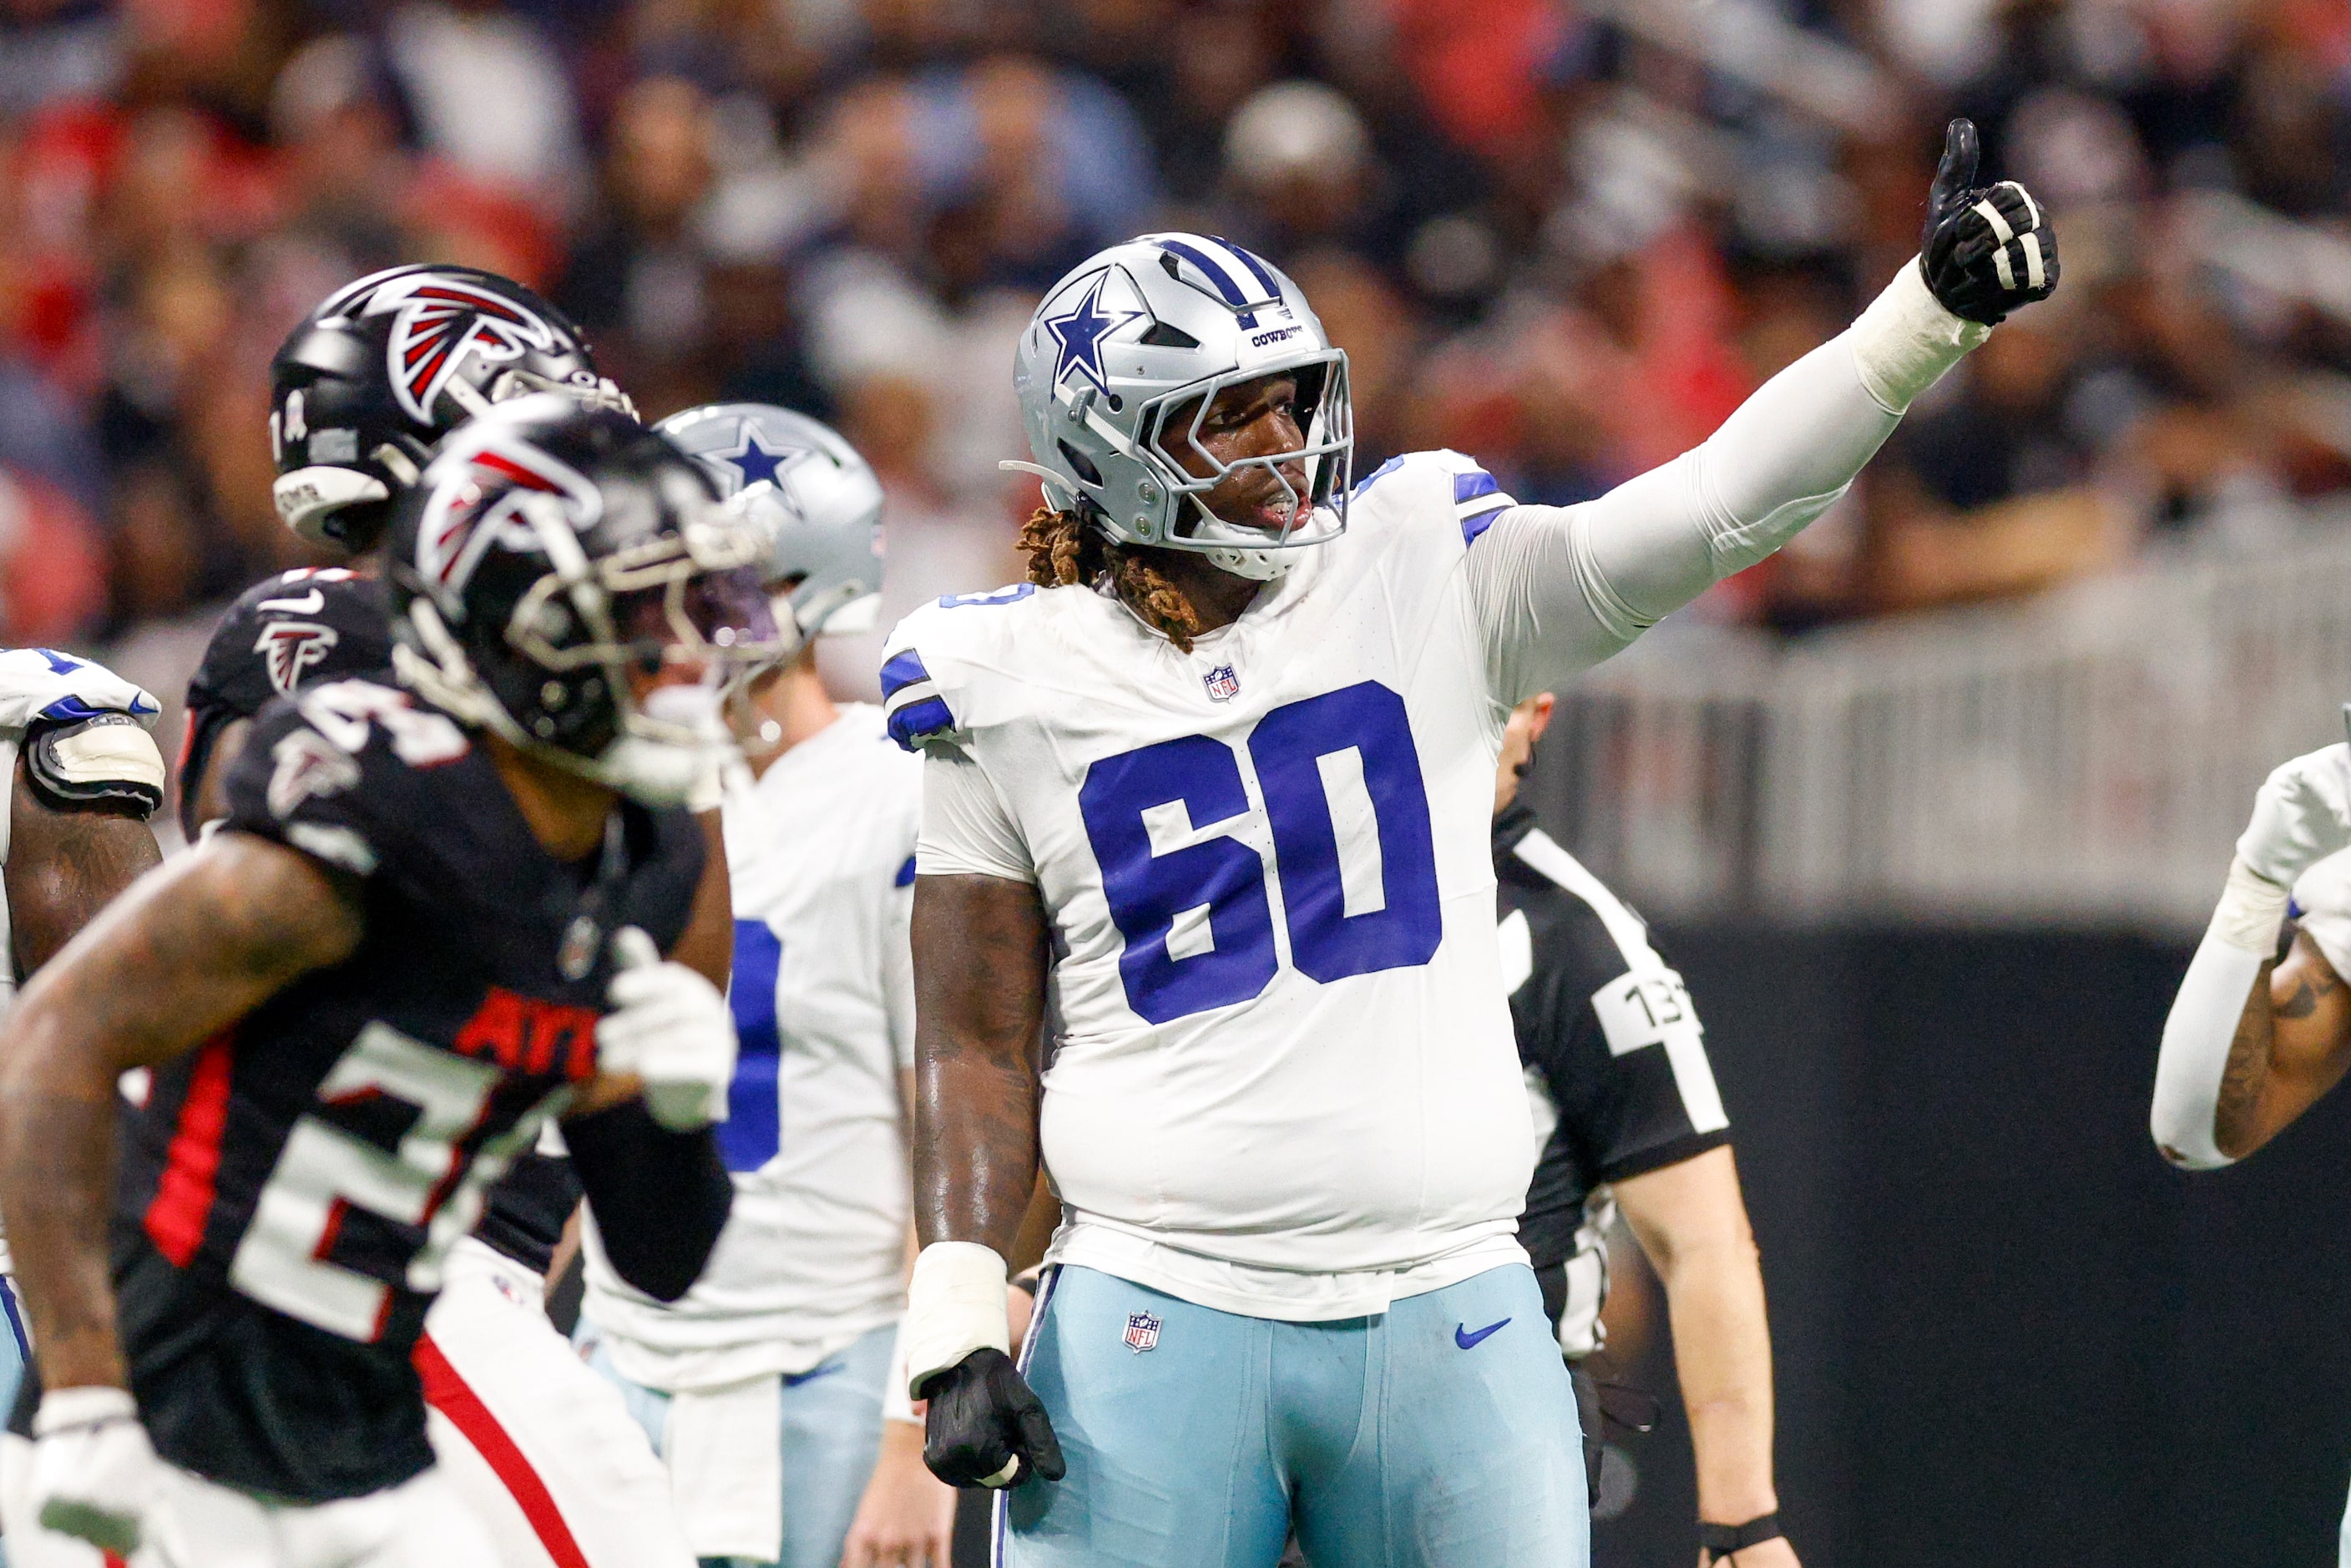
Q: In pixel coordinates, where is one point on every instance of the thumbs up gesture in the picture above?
(1984, 251)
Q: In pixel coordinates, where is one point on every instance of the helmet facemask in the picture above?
(1315, 515)
(1121, 365)
(589, 631)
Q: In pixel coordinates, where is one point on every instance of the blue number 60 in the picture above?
(1146, 892)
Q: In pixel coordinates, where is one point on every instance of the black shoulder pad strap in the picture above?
(109, 763)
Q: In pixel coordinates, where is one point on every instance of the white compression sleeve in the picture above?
(2202, 1024)
(1559, 590)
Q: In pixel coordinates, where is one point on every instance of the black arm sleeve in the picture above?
(660, 1197)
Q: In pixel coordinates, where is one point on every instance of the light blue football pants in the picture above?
(1439, 1433)
(15, 1350)
(832, 1436)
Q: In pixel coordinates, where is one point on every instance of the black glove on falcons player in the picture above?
(985, 1427)
(1984, 252)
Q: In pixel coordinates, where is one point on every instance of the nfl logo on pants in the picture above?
(1142, 1332)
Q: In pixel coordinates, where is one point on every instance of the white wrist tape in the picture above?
(85, 1407)
(954, 1305)
(1905, 341)
(2201, 1029)
(2250, 913)
(896, 1404)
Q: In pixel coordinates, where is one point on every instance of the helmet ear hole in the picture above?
(1079, 464)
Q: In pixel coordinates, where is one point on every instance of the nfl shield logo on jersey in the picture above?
(1142, 1332)
(1223, 685)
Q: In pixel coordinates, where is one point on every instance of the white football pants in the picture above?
(541, 1448)
(197, 1523)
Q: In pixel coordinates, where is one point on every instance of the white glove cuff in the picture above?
(954, 1305)
(1905, 341)
(896, 1403)
(88, 1406)
(2250, 912)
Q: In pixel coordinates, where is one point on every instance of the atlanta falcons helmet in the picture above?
(553, 560)
(808, 491)
(364, 389)
(1119, 366)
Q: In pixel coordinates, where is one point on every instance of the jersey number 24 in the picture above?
(1355, 743)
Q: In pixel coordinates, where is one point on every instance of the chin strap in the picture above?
(1721, 1542)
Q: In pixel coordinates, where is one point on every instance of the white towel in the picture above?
(725, 1447)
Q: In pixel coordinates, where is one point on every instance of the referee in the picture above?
(1629, 1118)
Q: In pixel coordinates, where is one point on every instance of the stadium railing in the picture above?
(2086, 758)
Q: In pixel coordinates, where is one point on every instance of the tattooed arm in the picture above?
(183, 954)
(2292, 1045)
(979, 1002)
(64, 866)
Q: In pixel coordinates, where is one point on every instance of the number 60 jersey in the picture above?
(1282, 1081)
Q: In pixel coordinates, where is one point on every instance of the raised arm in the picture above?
(1559, 590)
(2232, 1013)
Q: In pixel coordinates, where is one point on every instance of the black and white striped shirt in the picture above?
(1616, 1061)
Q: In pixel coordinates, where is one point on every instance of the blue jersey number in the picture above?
(1219, 883)
(752, 1130)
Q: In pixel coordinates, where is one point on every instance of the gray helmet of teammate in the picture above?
(1120, 365)
(808, 490)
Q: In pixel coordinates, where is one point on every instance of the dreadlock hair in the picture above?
(1064, 551)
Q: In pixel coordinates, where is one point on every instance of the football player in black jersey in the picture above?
(556, 1471)
(1625, 1104)
(433, 920)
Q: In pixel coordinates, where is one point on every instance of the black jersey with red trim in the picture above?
(1616, 1064)
(311, 625)
(298, 629)
(289, 1190)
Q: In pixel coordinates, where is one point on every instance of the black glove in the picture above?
(985, 1427)
(1984, 252)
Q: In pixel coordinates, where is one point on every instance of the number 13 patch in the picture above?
(1649, 1007)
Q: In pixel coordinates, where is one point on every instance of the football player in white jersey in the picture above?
(85, 776)
(1205, 809)
(2257, 1036)
(763, 1386)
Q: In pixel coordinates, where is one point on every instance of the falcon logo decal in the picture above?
(441, 322)
(289, 647)
(490, 501)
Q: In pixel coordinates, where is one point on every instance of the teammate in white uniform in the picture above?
(763, 1386)
(1213, 798)
(2256, 1035)
(84, 776)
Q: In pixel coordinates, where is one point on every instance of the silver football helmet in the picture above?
(1159, 326)
(804, 488)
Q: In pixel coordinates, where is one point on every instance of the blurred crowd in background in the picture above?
(1564, 235)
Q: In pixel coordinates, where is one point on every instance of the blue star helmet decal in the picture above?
(755, 462)
(1081, 334)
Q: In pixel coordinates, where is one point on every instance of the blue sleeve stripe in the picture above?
(902, 669)
(1376, 474)
(917, 722)
(1470, 485)
(1472, 527)
(905, 876)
